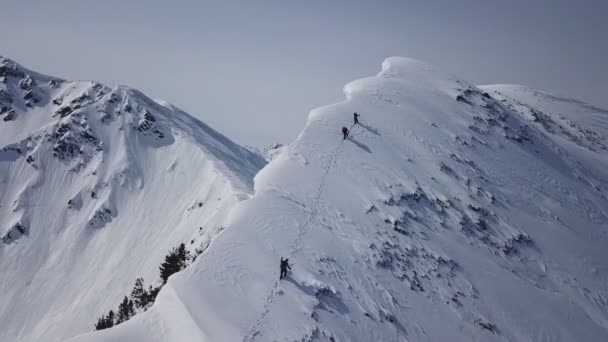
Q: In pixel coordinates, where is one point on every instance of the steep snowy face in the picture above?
(565, 119)
(450, 214)
(96, 185)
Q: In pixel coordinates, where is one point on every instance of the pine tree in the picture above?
(101, 323)
(174, 262)
(169, 266)
(110, 319)
(152, 293)
(131, 309)
(183, 255)
(140, 296)
(123, 311)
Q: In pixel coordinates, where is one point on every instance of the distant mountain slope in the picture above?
(449, 215)
(96, 185)
(576, 121)
(577, 131)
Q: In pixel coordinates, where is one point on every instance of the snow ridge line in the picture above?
(296, 246)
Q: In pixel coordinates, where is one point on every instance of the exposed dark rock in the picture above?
(64, 111)
(371, 209)
(55, 82)
(13, 148)
(15, 233)
(149, 117)
(10, 68)
(509, 246)
(101, 217)
(147, 126)
(64, 149)
(487, 325)
(71, 139)
(28, 95)
(447, 170)
(9, 116)
(27, 83)
(80, 99)
(460, 98)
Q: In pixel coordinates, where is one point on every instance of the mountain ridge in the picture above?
(451, 213)
(87, 171)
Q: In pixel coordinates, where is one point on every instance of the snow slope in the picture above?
(450, 215)
(96, 185)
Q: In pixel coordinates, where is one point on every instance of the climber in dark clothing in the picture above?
(284, 267)
(345, 132)
(356, 118)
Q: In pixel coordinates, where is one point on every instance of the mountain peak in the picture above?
(98, 183)
(8, 67)
(450, 212)
(403, 66)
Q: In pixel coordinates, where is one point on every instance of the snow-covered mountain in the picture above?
(96, 186)
(452, 213)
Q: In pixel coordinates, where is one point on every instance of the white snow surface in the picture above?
(448, 215)
(96, 186)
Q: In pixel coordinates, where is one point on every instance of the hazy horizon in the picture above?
(254, 71)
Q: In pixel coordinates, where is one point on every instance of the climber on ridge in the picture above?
(356, 118)
(284, 267)
(345, 132)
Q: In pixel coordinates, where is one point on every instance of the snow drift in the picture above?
(453, 213)
(96, 185)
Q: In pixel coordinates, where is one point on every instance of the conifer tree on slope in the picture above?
(125, 310)
(152, 293)
(105, 322)
(102, 323)
(140, 296)
(110, 319)
(174, 262)
(183, 255)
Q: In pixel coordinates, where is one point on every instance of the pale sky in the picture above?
(254, 69)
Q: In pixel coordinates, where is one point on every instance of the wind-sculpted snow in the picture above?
(450, 214)
(569, 119)
(97, 184)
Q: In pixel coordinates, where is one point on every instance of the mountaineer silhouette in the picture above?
(284, 267)
(345, 132)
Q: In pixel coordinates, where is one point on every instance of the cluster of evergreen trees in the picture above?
(141, 298)
(175, 261)
(126, 310)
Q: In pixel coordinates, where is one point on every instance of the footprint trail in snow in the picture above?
(255, 330)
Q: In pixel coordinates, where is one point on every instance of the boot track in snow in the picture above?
(254, 332)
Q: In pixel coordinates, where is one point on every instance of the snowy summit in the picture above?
(451, 213)
(97, 184)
